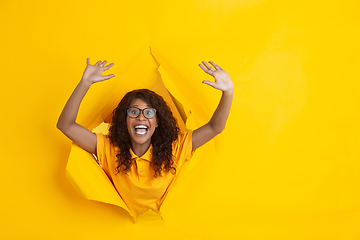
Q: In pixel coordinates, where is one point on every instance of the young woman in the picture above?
(144, 150)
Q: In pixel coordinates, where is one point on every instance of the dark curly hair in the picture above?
(165, 134)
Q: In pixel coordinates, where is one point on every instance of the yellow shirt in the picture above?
(139, 189)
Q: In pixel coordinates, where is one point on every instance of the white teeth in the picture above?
(141, 129)
(141, 126)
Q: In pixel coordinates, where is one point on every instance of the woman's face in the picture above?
(140, 128)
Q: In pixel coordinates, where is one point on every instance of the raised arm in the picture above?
(218, 120)
(66, 123)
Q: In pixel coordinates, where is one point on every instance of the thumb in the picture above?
(212, 84)
(108, 77)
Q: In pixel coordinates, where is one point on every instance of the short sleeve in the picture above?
(103, 151)
(182, 148)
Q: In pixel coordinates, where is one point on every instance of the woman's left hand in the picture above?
(222, 79)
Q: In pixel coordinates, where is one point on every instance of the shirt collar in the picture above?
(147, 155)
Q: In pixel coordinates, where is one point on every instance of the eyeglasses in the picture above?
(134, 112)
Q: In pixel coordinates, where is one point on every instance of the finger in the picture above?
(103, 63)
(212, 84)
(205, 69)
(217, 67)
(88, 61)
(207, 65)
(108, 66)
(108, 77)
(97, 63)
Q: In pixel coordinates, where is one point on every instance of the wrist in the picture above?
(85, 82)
(229, 91)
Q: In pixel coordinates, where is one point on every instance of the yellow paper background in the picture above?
(287, 165)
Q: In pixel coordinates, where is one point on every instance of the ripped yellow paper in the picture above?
(90, 180)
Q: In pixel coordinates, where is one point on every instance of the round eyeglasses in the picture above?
(134, 112)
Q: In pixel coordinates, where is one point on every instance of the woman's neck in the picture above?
(140, 149)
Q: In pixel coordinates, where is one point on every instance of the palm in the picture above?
(222, 79)
(94, 73)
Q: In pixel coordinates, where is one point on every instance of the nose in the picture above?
(141, 116)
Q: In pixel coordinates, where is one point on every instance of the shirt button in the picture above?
(140, 170)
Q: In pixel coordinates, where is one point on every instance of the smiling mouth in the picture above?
(141, 129)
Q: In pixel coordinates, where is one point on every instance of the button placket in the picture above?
(140, 164)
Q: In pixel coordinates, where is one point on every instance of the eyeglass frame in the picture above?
(140, 111)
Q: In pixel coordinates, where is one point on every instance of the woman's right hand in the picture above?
(93, 73)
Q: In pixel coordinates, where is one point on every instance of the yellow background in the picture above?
(287, 165)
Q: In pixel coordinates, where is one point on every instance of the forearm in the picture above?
(220, 116)
(218, 120)
(70, 111)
